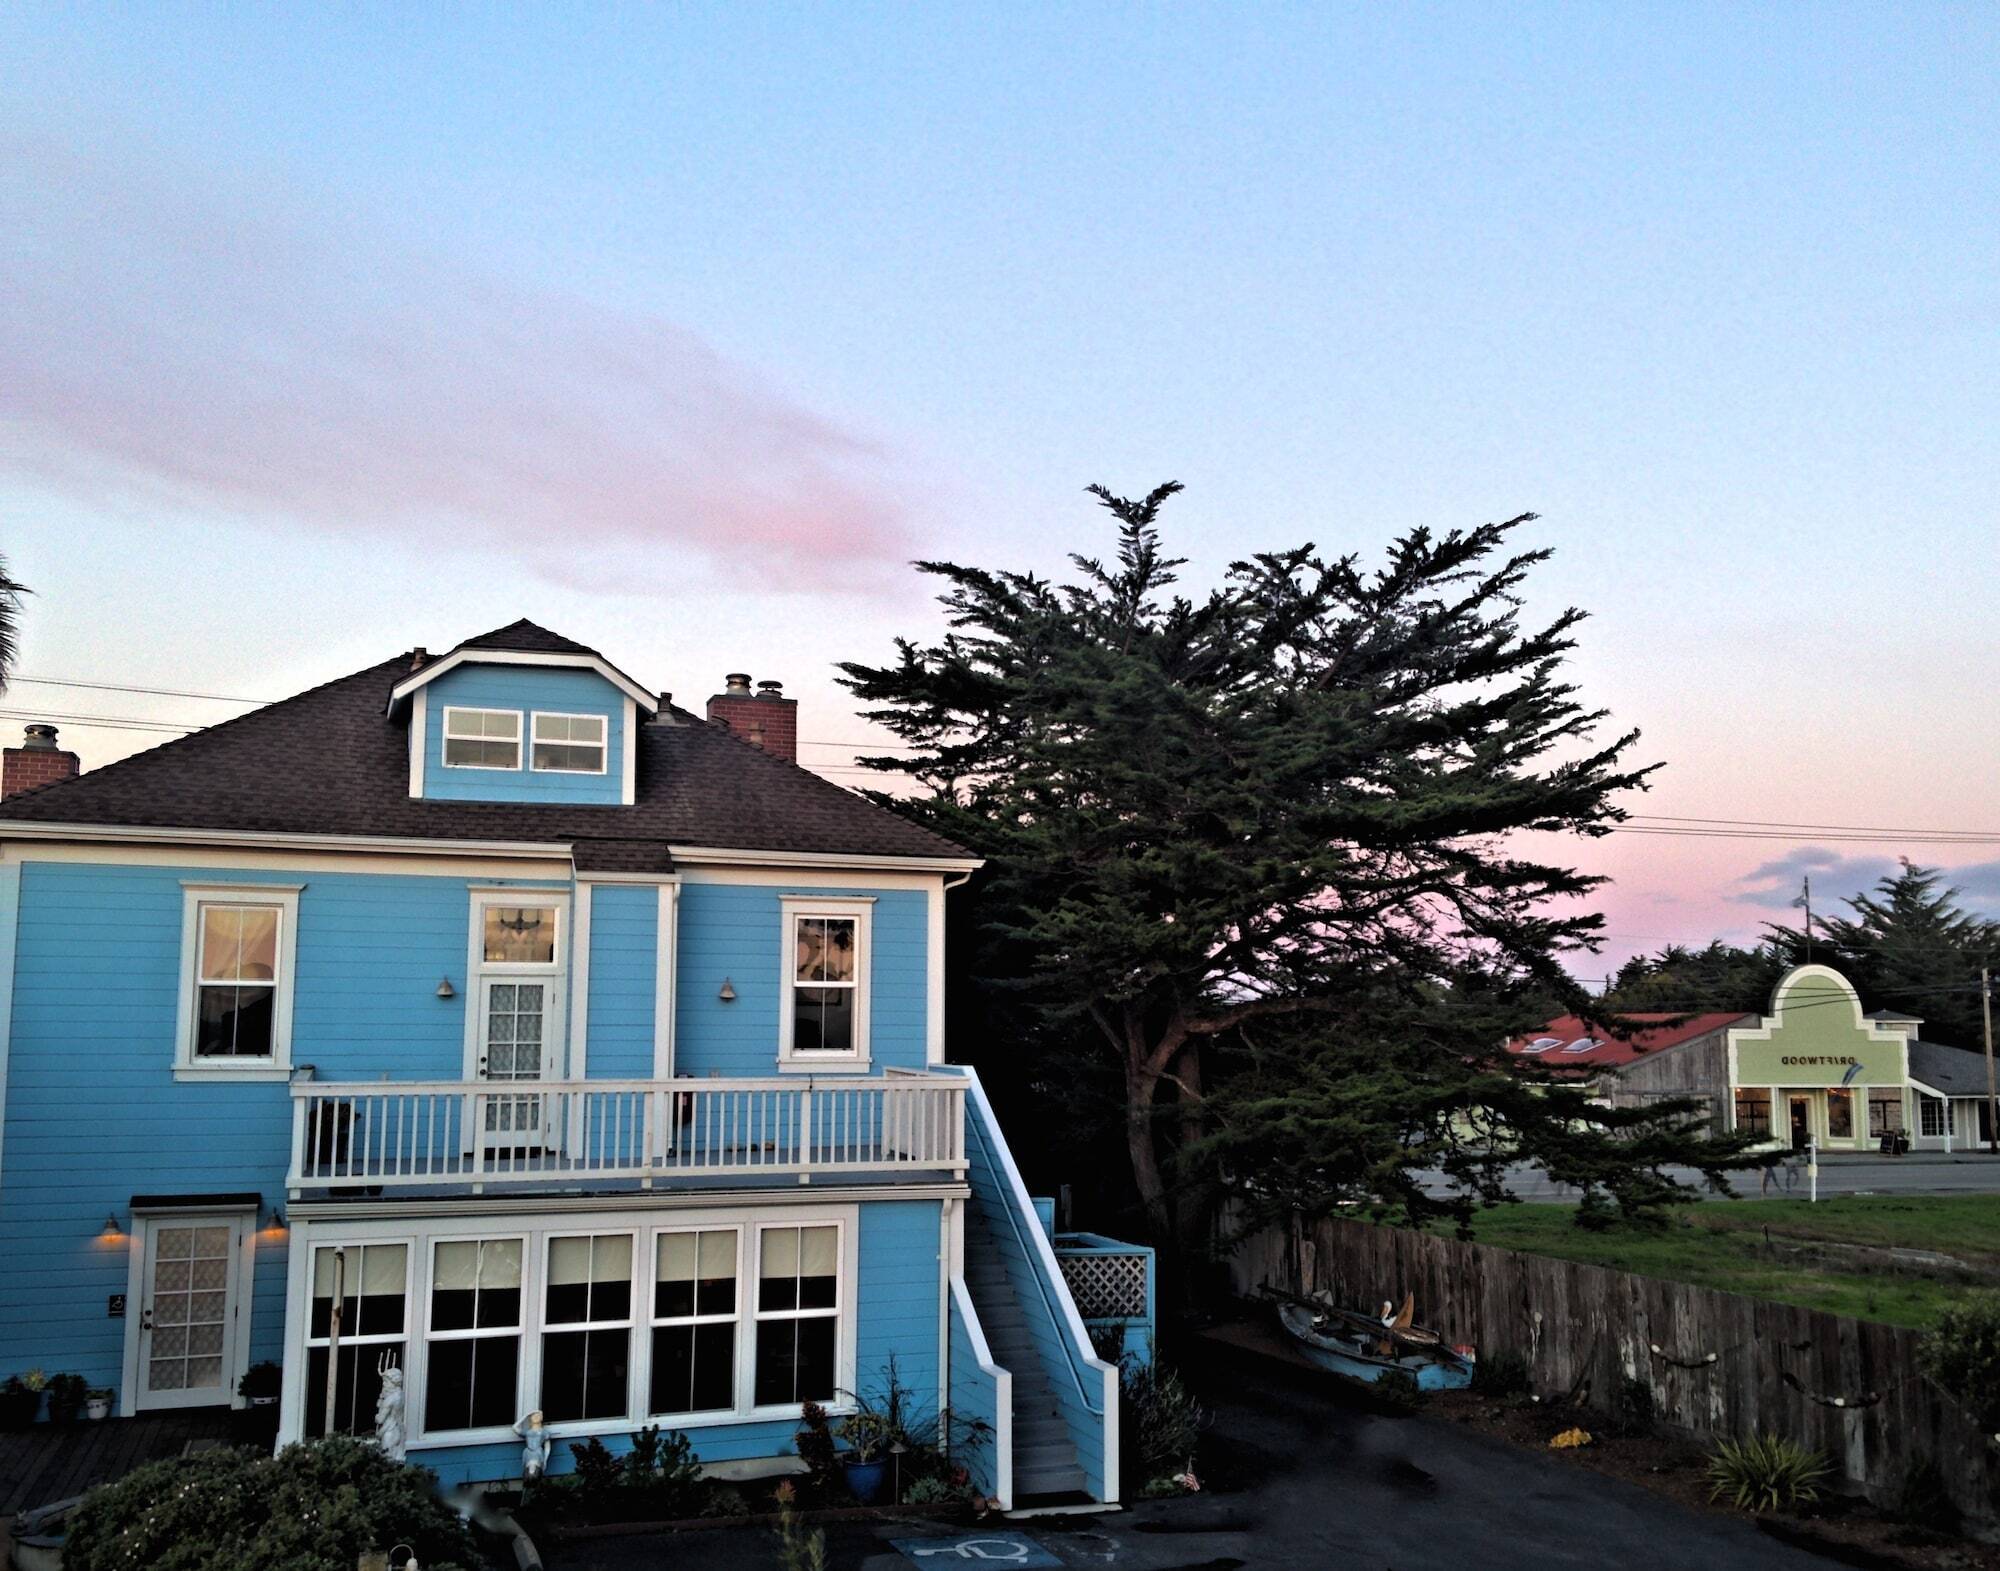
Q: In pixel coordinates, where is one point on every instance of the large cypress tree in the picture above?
(1255, 805)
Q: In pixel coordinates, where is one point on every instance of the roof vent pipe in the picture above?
(736, 684)
(769, 689)
(39, 738)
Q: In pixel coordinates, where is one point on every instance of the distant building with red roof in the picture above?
(1653, 1056)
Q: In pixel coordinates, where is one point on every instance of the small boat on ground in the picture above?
(1367, 1348)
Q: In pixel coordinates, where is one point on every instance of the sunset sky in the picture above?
(682, 330)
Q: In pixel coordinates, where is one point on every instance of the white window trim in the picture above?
(860, 909)
(285, 897)
(423, 1235)
(654, 1321)
(478, 968)
(444, 739)
(535, 720)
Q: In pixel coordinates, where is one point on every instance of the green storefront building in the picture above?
(1817, 1070)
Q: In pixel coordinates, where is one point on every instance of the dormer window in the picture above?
(569, 744)
(482, 738)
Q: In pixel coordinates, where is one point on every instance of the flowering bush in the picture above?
(310, 1507)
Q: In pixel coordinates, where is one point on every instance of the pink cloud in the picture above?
(222, 347)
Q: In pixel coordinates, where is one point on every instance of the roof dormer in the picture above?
(521, 715)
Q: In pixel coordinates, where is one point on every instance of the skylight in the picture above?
(1582, 1044)
(1541, 1044)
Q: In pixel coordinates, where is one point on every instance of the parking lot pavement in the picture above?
(1325, 1484)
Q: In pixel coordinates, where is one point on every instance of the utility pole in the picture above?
(1992, 1094)
(1805, 899)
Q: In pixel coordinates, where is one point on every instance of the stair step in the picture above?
(1047, 1481)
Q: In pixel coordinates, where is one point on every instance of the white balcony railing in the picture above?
(409, 1134)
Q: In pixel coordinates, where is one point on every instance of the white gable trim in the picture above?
(417, 680)
(628, 792)
(419, 720)
(10, 907)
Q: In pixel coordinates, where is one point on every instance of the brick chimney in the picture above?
(37, 761)
(767, 718)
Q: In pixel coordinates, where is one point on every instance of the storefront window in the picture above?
(1885, 1111)
(1931, 1119)
(1840, 1115)
(1753, 1111)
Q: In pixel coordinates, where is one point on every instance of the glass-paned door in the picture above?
(513, 1047)
(187, 1322)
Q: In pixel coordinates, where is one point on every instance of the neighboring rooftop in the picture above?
(330, 762)
(1950, 1071)
(1569, 1040)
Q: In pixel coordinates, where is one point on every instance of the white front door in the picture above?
(191, 1296)
(514, 1046)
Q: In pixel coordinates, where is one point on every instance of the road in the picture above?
(1866, 1174)
(1325, 1485)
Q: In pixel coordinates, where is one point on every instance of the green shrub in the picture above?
(1962, 1354)
(1399, 1388)
(1923, 1500)
(1501, 1374)
(815, 1447)
(658, 1480)
(1765, 1473)
(936, 1489)
(1160, 1419)
(798, 1549)
(312, 1506)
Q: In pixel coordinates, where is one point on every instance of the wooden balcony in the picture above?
(379, 1136)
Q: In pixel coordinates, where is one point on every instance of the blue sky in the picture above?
(683, 329)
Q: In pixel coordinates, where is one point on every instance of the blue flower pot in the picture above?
(864, 1480)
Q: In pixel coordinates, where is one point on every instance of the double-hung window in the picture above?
(1933, 1116)
(587, 1327)
(372, 1281)
(823, 1015)
(569, 744)
(798, 1315)
(695, 1323)
(472, 1344)
(482, 738)
(238, 944)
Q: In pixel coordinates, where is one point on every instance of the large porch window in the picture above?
(1933, 1116)
(1885, 1111)
(1840, 1115)
(599, 1319)
(373, 1283)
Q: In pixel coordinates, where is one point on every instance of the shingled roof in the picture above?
(530, 637)
(329, 762)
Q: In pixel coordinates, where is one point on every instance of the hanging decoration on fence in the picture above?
(1665, 1357)
(1866, 1399)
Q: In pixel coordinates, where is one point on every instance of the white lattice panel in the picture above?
(1107, 1287)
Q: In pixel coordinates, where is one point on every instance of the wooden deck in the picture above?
(54, 1461)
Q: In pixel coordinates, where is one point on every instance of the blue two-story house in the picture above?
(485, 1016)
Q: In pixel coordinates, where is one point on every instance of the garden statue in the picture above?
(390, 1433)
(535, 1445)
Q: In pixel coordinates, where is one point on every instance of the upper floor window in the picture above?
(482, 738)
(823, 1018)
(237, 943)
(569, 744)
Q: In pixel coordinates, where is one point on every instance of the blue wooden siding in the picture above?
(733, 931)
(624, 960)
(524, 689)
(94, 1114)
(897, 1314)
(975, 1410)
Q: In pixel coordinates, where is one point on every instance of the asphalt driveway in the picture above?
(1324, 1483)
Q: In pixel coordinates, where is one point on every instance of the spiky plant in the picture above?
(10, 627)
(1765, 1473)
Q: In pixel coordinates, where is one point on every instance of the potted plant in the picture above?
(20, 1399)
(867, 1435)
(97, 1403)
(257, 1419)
(66, 1395)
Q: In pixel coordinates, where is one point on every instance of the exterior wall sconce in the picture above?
(111, 1227)
(445, 989)
(728, 993)
(276, 1222)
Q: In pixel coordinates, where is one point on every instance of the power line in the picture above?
(107, 722)
(124, 687)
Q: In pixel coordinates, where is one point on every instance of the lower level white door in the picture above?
(191, 1295)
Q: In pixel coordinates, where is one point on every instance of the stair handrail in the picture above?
(1065, 1313)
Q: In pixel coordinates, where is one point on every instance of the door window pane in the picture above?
(190, 1308)
(1840, 1115)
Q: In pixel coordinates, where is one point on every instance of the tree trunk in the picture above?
(1141, 1085)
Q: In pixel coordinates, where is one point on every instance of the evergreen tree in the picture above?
(1206, 816)
(1911, 947)
(1692, 981)
(10, 625)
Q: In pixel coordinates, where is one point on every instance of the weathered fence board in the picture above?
(1849, 1388)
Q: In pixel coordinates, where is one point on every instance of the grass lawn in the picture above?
(1719, 1244)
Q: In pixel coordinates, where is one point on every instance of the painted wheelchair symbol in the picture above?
(986, 1551)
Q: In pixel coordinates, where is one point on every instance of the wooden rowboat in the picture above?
(1365, 1348)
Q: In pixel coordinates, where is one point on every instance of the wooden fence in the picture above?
(1717, 1364)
